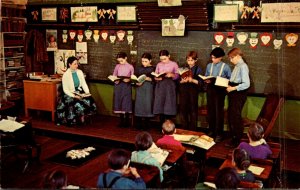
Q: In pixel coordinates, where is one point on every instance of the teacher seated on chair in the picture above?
(72, 108)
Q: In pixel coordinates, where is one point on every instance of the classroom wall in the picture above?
(287, 124)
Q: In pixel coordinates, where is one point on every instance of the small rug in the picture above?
(85, 153)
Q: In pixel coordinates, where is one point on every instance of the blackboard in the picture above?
(271, 71)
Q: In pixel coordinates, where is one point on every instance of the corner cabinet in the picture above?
(12, 68)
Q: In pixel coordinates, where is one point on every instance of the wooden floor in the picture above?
(102, 131)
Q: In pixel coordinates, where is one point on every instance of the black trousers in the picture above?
(188, 106)
(215, 109)
(236, 100)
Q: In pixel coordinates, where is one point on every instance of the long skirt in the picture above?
(122, 98)
(165, 97)
(70, 110)
(144, 100)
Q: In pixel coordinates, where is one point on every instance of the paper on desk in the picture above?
(10, 126)
(256, 169)
(185, 138)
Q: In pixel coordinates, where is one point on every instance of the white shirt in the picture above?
(68, 83)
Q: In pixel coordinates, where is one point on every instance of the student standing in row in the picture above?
(122, 89)
(144, 93)
(188, 93)
(215, 94)
(237, 94)
(165, 89)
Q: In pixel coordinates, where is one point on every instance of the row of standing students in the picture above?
(157, 95)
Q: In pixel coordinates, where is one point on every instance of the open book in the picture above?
(159, 154)
(220, 81)
(203, 141)
(139, 79)
(113, 78)
(158, 75)
(83, 95)
(205, 77)
(185, 72)
(10, 126)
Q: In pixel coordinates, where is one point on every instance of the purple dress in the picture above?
(165, 90)
(260, 151)
(122, 91)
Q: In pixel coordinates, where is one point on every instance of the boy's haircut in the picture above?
(241, 159)
(121, 55)
(168, 127)
(217, 52)
(192, 54)
(227, 178)
(117, 158)
(143, 141)
(256, 131)
(234, 52)
(56, 179)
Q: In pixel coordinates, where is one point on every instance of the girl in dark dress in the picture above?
(144, 93)
(188, 93)
(165, 89)
(122, 89)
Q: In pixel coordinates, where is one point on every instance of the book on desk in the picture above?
(159, 154)
(202, 141)
(10, 126)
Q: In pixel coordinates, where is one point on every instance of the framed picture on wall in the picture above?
(226, 13)
(126, 13)
(49, 14)
(168, 3)
(280, 12)
(84, 14)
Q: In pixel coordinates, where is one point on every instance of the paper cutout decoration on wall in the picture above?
(81, 52)
(230, 39)
(80, 35)
(65, 36)
(245, 12)
(60, 58)
(51, 36)
(104, 35)
(88, 34)
(253, 40)
(173, 27)
(35, 15)
(121, 35)
(291, 39)
(63, 14)
(111, 13)
(112, 37)
(96, 36)
(72, 34)
(101, 13)
(168, 3)
(219, 37)
(130, 37)
(256, 10)
(277, 43)
(242, 37)
(265, 39)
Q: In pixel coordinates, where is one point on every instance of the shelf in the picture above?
(13, 18)
(15, 57)
(13, 68)
(12, 47)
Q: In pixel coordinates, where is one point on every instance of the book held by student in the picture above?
(185, 72)
(158, 75)
(140, 79)
(206, 77)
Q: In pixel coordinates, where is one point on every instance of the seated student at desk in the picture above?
(143, 142)
(118, 161)
(257, 146)
(168, 140)
(241, 162)
(73, 108)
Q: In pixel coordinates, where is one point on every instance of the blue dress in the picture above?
(144, 94)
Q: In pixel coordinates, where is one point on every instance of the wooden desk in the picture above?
(41, 96)
(263, 176)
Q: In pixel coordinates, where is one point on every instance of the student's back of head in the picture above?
(56, 179)
(168, 127)
(118, 158)
(255, 132)
(241, 159)
(143, 141)
(227, 178)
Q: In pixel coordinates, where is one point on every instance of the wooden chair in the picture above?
(268, 114)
